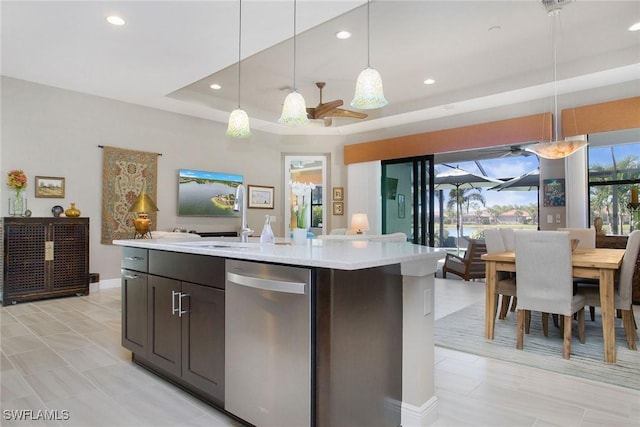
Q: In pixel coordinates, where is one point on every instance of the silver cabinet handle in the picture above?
(131, 276)
(133, 258)
(180, 310)
(173, 302)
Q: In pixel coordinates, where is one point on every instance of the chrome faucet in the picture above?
(245, 231)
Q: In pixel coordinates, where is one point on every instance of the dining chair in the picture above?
(586, 240)
(623, 290)
(545, 282)
(508, 238)
(470, 266)
(505, 283)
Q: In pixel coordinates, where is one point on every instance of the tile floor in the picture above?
(65, 355)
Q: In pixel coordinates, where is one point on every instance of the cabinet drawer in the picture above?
(135, 259)
(201, 269)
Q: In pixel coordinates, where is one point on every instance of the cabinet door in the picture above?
(164, 326)
(203, 339)
(70, 265)
(25, 271)
(134, 312)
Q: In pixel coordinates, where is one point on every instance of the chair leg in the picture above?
(628, 320)
(592, 312)
(555, 321)
(567, 336)
(527, 321)
(520, 329)
(581, 325)
(545, 324)
(514, 303)
(505, 306)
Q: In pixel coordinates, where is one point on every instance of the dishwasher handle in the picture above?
(267, 284)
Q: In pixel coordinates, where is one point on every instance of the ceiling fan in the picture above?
(500, 152)
(328, 110)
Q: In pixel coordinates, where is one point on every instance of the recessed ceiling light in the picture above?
(429, 81)
(342, 35)
(635, 27)
(215, 86)
(115, 20)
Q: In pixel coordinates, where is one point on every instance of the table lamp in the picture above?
(359, 222)
(142, 223)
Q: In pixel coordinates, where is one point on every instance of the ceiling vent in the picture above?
(552, 6)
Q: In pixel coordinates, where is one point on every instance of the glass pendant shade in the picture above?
(294, 110)
(239, 124)
(369, 93)
(556, 149)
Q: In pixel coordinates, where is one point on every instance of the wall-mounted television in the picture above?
(202, 193)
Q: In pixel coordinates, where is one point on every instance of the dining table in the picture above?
(592, 263)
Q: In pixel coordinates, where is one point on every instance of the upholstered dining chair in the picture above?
(586, 240)
(545, 282)
(506, 283)
(508, 238)
(623, 291)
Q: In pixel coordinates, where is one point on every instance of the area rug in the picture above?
(125, 174)
(464, 331)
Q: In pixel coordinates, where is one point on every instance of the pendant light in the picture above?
(294, 110)
(557, 149)
(369, 93)
(238, 119)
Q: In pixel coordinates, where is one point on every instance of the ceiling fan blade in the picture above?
(326, 109)
(340, 112)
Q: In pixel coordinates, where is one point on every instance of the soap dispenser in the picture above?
(267, 234)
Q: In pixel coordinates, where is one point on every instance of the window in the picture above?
(316, 206)
(613, 171)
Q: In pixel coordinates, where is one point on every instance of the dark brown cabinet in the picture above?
(45, 258)
(173, 317)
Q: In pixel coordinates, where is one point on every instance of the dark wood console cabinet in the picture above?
(45, 258)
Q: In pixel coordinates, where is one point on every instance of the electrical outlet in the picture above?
(558, 218)
(427, 302)
(272, 218)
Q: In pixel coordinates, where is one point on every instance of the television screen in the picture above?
(203, 193)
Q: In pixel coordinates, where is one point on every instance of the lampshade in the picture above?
(369, 92)
(143, 204)
(238, 119)
(294, 111)
(238, 124)
(359, 222)
(556, 149)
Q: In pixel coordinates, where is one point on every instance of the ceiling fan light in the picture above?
(294, 111)
(239, 124)
(556, 149)
(369, 92)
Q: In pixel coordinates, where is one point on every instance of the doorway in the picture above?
(407, 198)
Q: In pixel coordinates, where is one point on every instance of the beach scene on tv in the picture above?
(203, 193)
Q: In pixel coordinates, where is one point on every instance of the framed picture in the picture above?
(338, 193)
(553, 192)
(338, 208)
(50, 186)
(260, 197)
(401, 212)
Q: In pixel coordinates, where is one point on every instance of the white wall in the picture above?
(53, 132)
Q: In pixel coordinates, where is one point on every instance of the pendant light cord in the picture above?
(555, 72)
(294, 44)
(239, 49)
(368, 38)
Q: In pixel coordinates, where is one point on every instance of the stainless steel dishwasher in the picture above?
(268, 343)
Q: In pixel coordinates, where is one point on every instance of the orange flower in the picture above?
(17, 179)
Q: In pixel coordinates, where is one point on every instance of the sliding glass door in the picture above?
(407, 198)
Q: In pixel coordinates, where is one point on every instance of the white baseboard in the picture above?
(104, 284)
(425, 415)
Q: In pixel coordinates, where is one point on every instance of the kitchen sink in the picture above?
(219, 244)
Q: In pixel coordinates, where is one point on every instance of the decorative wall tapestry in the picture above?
(125, 174)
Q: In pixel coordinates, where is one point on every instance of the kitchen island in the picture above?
(344, 336)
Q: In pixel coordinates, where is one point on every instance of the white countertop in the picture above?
(337, 254)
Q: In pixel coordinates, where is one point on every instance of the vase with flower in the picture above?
(17, 181)
(300, 210)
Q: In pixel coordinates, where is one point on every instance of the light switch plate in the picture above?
(272, 218)
(558, 218)
(549, 219)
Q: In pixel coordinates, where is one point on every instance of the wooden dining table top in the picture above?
(580, 257)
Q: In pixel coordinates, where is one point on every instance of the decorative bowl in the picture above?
(57, 210)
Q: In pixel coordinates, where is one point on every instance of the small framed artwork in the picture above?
(338, 193)
(401, 206)
(260, 197)
(553, 194)
(338, 208)
(50, 186)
